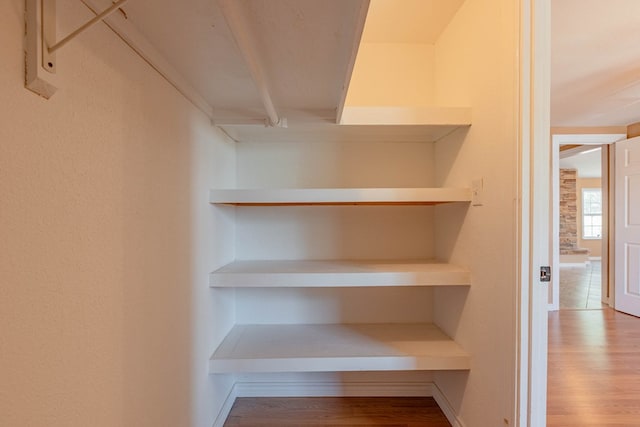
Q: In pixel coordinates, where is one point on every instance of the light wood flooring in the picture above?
(336, 412)
(594, 369)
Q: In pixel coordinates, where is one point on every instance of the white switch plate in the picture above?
(477, 192)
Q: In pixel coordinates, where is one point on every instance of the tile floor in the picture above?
(580, 287)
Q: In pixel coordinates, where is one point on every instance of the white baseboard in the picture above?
(226, 407)
(573, 264)
(336, 389)
(446, 407)
(320, 389)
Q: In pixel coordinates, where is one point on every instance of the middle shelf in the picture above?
(339, 273)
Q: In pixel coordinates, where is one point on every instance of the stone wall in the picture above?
(568, 212)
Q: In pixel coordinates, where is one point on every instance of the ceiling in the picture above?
(586, 162)
(595, 62)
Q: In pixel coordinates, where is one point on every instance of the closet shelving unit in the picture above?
(342, 347)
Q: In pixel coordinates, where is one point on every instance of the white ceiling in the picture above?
(587, 163)
(595, 62)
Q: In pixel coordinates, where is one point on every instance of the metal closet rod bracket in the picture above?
(41, 44)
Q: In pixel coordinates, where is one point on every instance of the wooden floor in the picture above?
(594, 369)
(336, 412)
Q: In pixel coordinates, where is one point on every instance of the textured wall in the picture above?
(106, 239)
(476, 60)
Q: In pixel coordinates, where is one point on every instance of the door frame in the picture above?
(533, 210)
(558, 139)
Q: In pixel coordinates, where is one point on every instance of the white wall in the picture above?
(107, 238)
(392, 74)
(476, 65)
(316, 232)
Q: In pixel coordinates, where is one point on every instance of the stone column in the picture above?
(568, 211)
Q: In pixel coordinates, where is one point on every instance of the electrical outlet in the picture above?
(477, 192)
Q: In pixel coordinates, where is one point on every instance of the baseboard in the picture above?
(226, 407)
(319, 389)
(336, 389)
(446, 407)
(573, 264)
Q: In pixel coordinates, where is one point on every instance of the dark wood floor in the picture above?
(337, 412)
(594, 369)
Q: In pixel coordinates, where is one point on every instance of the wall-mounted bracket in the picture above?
(41, 44)
(38, 77)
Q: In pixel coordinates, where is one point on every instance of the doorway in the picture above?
(580, 221)
(581, 227)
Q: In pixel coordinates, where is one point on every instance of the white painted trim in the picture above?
(332, 389)
(446, 407)
(572, 264)
(588, 138)
(362, 17)
(533, 211)
(226, 407)
(37, 79)
(245, 40)
(554, 304)
(595, 258)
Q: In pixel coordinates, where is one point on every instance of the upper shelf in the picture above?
(406, 116)
(361, 124)
(339, 196)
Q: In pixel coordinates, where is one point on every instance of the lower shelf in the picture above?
(337, 347)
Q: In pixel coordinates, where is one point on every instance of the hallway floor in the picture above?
(580, 286)
(594, 369)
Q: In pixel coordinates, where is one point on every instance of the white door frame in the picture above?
(556, 141)
(533, 214)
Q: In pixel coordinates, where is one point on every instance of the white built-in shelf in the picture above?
(337, 347)
(339, 273)
(406, 116)
(339, 196)
(360, 124)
